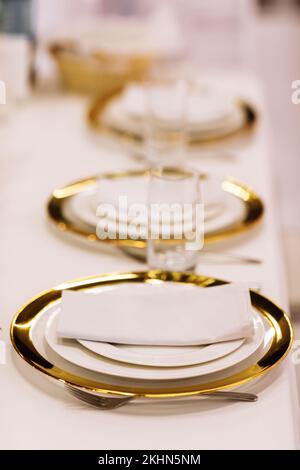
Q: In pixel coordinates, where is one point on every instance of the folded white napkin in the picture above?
(165, 315)
(203, 108)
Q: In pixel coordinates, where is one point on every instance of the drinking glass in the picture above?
(165, 124)
(175, 218)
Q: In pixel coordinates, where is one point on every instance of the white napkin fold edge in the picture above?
(247, 327)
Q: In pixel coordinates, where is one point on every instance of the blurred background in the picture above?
(39, 39)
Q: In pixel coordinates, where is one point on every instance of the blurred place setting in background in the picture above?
(142, 176)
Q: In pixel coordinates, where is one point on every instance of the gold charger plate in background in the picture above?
(97, 108)
(253, 211)
(22, 324)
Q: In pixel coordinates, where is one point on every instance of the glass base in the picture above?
(173, 260)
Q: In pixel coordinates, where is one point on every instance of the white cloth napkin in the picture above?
(162, 315)
(206, 107)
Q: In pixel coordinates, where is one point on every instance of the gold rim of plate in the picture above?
(254, 210)
(21, 327)
(98, 106)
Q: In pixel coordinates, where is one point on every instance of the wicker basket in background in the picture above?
(99, 73)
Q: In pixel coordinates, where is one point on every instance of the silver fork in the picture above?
(107, 403)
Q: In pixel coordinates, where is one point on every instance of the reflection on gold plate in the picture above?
(253, 211)
(97, 108)
(22, 325)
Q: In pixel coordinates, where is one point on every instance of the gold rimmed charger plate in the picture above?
(96, 122)
(24, 321)
(253, 210)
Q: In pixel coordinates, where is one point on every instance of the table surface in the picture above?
(45, 143)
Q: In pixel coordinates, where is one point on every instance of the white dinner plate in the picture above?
(116, 116)
(221, 209)
(75, 353)
(161, 356)
(79, 208)
(136, 191)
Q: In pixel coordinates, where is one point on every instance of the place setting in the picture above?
(231, 208)
(212, 112)
(152, 334)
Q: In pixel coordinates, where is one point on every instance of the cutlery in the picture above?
(231, 257)
(212, 256)
(106, 403)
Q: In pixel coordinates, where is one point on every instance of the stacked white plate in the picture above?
(221, 209)
(211, 112)
(150, 363)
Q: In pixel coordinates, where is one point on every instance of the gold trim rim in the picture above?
(22, 342)
(254, 209)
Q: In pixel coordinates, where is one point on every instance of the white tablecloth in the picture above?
(46, 144)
